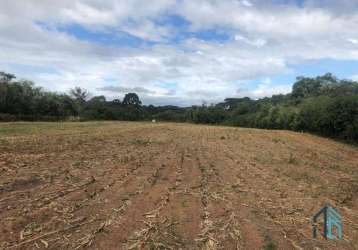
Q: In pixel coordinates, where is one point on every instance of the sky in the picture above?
(178, 52)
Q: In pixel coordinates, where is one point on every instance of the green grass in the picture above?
(270, 246)
(21, 128)
(292, 160)
(140, 142)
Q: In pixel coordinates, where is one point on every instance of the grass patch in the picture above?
(270, 246)
(184, 203)
(76, 164)
(143, 142)
(23, 128)
(292, 160)
(276, 140)
(3, 142)
(14, 129)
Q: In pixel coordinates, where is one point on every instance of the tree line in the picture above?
(323, 105)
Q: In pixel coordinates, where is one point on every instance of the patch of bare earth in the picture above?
(172, 186)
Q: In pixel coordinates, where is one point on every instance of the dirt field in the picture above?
(170, 186)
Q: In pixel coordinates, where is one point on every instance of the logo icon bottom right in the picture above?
(332, 223)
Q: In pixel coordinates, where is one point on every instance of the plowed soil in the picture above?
(170, 186)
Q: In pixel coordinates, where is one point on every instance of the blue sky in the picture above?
(179, 52)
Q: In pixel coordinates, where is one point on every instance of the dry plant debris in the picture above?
(118, 185)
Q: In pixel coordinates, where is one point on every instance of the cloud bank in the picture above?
(173, 52)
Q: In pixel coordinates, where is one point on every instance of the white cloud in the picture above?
(256, 42)
(264, 89)
(264, 39)
(354, 41)
(247, 3)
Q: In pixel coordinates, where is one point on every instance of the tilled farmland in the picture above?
(170, 186)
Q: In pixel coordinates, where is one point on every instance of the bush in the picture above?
(7, 117)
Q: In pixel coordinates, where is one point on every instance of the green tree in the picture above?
(314, 115)
(131, 99)
(305, 87)
(6, 77)
(80, 96)
(96, 108)
(343, 116)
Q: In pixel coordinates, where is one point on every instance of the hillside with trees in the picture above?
(323, 105)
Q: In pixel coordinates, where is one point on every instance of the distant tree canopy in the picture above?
(5, 77)
(131, 99)
(79, 94)
(323, 105)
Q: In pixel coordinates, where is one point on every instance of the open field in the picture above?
(170, 186)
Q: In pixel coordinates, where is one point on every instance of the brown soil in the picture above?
(171, 186)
